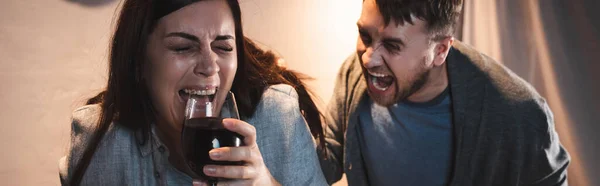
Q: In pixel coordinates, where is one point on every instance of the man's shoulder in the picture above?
(506, 94)
(350, 84)
(500, 82)
(351, 68)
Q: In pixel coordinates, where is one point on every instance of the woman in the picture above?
(129, 134)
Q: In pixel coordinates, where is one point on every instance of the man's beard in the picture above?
(402, 93)
(416, 85)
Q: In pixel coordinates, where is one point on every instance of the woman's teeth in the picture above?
(200, 92)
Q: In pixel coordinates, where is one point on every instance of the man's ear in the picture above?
(441, 50)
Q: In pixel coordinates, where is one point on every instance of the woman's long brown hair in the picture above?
(126, 99)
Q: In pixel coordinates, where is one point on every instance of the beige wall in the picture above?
(314, 36)
(53, 56)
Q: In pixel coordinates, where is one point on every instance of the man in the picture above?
(414, 106)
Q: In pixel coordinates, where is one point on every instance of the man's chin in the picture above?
(384, 99)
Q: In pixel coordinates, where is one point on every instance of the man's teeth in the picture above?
(375, 80)
(377, 85)
(376, 74)
(200, 92)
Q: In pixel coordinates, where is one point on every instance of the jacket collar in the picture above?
(152, 144)
(467, 89)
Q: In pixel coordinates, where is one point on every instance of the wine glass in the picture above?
(203, 131)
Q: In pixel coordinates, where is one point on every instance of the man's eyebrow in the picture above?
(394, 40)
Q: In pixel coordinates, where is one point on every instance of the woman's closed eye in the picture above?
(222, 46)
(225, 48)
(182, 49)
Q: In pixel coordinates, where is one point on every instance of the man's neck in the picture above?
(436, 84)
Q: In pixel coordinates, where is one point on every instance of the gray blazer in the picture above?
(287, 147)
(503, 129)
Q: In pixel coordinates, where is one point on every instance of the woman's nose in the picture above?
(207, 64)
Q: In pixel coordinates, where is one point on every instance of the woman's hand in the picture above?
(253, 172)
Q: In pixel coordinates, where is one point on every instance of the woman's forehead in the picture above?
(211, 17)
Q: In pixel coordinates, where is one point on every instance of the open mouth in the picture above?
(208, 94)
(381, 82)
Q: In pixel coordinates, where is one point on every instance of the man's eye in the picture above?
(365, 39)
(392, 47)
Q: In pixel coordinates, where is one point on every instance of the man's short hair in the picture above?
(440, 16)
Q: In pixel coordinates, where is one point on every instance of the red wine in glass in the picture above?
(200, 135)
(203, 131)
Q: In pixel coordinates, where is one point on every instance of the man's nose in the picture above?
(372, 58)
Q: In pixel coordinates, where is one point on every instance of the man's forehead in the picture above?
(370, 14)
(371, 19)
(377, 26)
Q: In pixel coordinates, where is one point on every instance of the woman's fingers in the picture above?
(234, 183)
(244, 153)
(242, 128)
(253, 171)
(231, 172)
(198, 183)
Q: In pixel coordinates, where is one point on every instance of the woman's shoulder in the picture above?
(85, 118)
(117, 143)
(280, 92)
(277, 101)
(283, 136)
(85, 122)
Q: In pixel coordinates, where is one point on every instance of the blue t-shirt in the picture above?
(407, 143)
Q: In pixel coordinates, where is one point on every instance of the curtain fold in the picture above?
(554, 45)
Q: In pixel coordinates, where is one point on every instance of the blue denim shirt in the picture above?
(285, 142)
